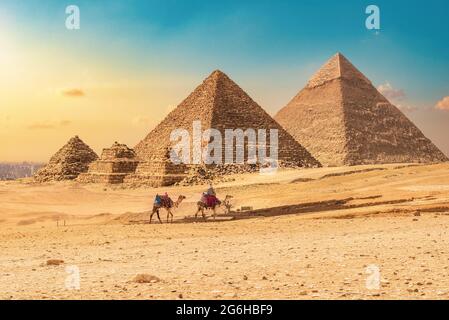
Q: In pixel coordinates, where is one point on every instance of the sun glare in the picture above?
(8, 53)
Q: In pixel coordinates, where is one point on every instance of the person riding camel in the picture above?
(211, 191)
(209, 197)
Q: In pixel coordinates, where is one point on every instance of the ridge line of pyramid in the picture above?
(338, 55)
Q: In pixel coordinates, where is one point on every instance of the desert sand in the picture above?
(312, 234)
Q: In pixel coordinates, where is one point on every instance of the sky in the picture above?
(131, 62)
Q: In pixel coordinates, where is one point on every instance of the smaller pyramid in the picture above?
(68, 163)
(115, 164)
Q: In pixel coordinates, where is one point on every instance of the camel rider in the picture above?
(209, 197)
(211, 191)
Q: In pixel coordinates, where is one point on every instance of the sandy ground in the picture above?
(316, 233)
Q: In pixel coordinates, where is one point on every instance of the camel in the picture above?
(157, 207)
(202, 206)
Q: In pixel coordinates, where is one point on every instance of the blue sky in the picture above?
(250, 34)
(244, 37)
(270, 48)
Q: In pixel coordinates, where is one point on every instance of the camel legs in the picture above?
(198, 211)
(153, 212)
(151, 216)
(159, 216)
(169, 214)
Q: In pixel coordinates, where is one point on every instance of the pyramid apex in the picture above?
(75, 139)
(340, 57)
(216, 74)
(217, 71)
(337, 67)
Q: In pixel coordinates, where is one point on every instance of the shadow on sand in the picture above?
(302, 209)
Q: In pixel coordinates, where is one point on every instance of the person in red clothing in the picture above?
(210, 197)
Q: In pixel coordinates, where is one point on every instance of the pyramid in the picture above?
(114, 165)
(217, 103)
(71, 160)
(342, 119)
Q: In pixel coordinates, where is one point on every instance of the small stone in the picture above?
(146, 278)
(54, 262)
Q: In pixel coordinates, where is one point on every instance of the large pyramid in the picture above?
(218, 103)
(342, 119)
(71, 160)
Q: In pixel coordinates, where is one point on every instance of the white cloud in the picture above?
(443, 104)
(391, 93)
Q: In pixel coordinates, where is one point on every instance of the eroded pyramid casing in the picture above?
(342, 119)
(68, 163)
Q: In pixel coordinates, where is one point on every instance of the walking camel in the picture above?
(167, 205)
(201, 206)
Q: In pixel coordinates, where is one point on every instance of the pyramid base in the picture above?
(103, 178)
(154, 181)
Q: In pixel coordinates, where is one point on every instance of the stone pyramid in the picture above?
(71, 160)
(221, 104)
(114, 165)
(342, 119)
